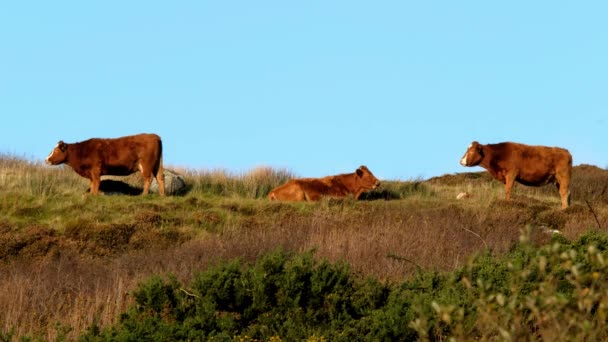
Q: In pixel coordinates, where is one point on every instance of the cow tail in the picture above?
(160, 174)
(160, 157)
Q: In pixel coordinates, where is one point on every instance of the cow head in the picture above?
(366, 178)
(473, 155)
(58, 155)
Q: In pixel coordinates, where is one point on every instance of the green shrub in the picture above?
(555, 292)
(292, 296)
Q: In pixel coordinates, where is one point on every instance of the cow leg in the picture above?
(309, 197)
(160, 178)
(147, 174)
(94, 185)
(159, 173)
(562, 180)
(564, 193)
(509, 181)
(147, 181)
(304, 197)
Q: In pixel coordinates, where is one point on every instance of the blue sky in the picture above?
(317, 87)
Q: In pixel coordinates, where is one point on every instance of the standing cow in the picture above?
(313, 189)
(123, 156)
(529, 165)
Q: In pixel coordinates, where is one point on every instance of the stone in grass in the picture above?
(463, 195)
(174, 183)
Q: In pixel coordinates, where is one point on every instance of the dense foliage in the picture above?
(555, 292)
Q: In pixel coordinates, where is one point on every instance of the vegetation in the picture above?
(557, 292)
(409, 261)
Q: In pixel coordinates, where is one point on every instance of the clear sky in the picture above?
(317, 87)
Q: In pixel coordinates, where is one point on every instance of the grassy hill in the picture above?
(71, 260)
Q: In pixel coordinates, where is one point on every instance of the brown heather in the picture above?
(70, 260)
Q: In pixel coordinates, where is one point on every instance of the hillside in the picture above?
(70, 259)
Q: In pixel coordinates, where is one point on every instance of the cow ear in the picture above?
(359, 172)
(62, 146)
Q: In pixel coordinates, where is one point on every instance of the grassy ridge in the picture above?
(70, 260)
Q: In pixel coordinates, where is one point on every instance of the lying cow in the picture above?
(529, 165)
(312, 189)
(95, 157)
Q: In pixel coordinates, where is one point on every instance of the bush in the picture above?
(555, 292)
(292, 296)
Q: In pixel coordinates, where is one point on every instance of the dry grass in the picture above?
(69, 260)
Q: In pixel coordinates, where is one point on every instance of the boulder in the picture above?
(463, 195)
(175, 183)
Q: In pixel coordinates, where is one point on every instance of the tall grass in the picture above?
(69, 260)
(25, 177)
(256, 183)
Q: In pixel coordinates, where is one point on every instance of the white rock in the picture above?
(463, 195)
(174, 183)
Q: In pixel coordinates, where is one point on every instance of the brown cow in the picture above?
(96, 157)
(312, 189)
(529, 165)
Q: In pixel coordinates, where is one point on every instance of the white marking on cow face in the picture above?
(58, 155)
(47, 160)
(463, 161)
